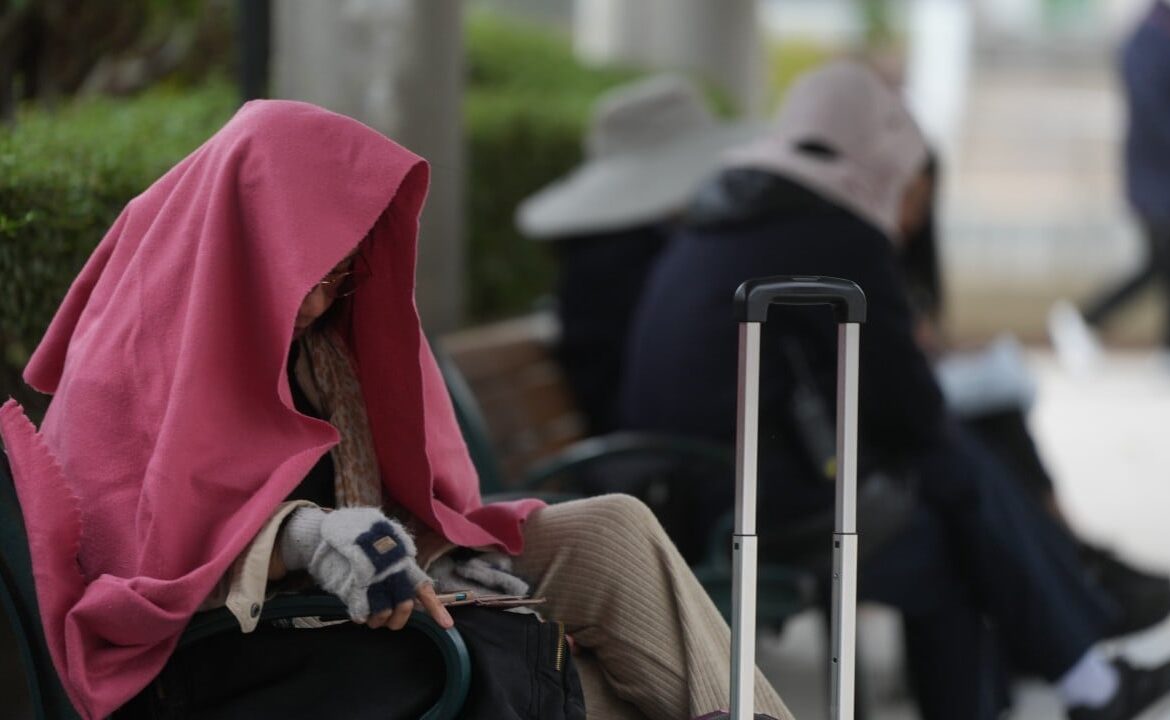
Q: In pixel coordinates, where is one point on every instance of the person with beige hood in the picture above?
(649, 145)
(988, 583)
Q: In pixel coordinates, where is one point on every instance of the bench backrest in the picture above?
(526, 410)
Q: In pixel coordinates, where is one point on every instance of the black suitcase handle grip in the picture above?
(754, 297)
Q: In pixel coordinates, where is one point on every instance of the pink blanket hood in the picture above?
(171, 437)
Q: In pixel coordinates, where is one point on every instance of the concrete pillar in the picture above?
(717, 39)
(396, 65)
(613, 31)
(938, 69)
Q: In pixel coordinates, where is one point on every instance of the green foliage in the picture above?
(64, 177)
(878, 20)
(527, 103)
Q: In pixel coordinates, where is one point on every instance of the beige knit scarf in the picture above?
(326, 375)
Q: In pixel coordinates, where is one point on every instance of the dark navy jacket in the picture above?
(1146, 71)
(681, 363)
(600, 279)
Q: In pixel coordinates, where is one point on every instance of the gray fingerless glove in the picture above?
(357, 554)
(488, 573)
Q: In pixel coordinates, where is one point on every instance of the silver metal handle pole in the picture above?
(841, 704)
(752, 299)
(744, 540)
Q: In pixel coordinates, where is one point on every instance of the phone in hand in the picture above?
(470, 597)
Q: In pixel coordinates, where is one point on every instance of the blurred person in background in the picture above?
(648, 146)
(1145, 71)
(834, 189)
(991, 390)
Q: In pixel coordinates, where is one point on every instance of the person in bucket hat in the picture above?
(648, 146)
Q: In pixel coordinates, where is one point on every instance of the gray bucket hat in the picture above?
(649, 146)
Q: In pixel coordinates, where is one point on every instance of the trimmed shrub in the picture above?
(64, 177)
(526, 107)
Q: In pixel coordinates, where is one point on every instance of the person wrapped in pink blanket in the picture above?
(242, 392)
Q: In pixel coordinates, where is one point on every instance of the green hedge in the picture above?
(65, 175)
(526, 106)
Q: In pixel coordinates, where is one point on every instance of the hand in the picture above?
(395, 618)
(489, 573)
(359, 555)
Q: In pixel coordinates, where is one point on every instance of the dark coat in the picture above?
(681, 371)
(600, 279)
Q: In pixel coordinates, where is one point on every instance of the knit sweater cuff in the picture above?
(300, 537)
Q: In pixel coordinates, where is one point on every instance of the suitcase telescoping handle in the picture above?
(752, 300)
(754, 297)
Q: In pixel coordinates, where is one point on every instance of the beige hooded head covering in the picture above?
(866, 147)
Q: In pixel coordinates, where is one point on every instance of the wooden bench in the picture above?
(528, 410)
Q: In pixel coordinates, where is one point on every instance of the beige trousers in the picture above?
(654, 645)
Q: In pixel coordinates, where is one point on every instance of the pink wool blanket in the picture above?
(172, 436)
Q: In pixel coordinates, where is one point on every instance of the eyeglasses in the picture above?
(344, 283)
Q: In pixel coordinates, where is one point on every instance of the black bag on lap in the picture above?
(521, 669)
